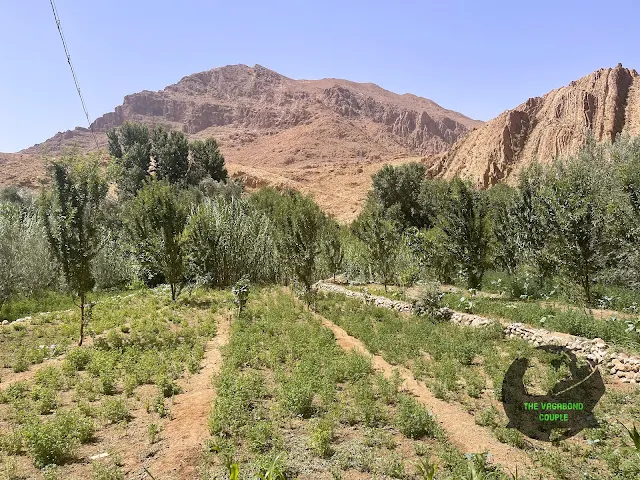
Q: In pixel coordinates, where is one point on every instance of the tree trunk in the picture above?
(173, 292)
(83, 298)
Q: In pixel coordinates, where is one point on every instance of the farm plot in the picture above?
(292, 404)
(615, 329)
(466, 366)
(100, 411)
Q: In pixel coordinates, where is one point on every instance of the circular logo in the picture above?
(551, 392)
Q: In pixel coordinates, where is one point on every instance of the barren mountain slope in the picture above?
(324, 136)
(603, 103)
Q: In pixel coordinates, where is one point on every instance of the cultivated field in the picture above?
(190, 390)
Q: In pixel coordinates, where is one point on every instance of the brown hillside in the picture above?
(603, 104)
(325, 136)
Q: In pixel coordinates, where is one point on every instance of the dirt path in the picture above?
(459, 425)
(188, 427)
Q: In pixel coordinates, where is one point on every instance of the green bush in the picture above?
(296, 395)
(11, 442)
(321, 437)
(168, 387)
(425, 298)
(45, 399)
(111, 471)
(414, 420)
(115, 410)
(51, 442)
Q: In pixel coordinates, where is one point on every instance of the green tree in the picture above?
(465, 221)
(331, 247)
(130, 145)
(227, 239)
(26, 266)
(156, 219)
(584, 206)
(398, 189)
(506, 227)
(72, 212)
(381, 237)
(300, 223)
(206, 161)
(532, 222)
(170, 151)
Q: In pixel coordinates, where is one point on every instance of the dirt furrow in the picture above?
(188, 427)
(459, 425)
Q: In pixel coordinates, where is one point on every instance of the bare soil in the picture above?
(188, 428)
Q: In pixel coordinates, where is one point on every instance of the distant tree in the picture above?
(156, 219)
(532, 222)
(381, 237)
(507, 229)
(72, 219)
(170, 151)
(130, 145)
(26, 265)
(430, 199)
(331, 247)
(583, 205)
(399, 188)
(300, 223)
(206, 161)
(465, 221)
(228, 239)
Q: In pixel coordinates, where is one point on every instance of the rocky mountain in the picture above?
(322, 136)
(603, 104)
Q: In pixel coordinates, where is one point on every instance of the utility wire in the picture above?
(73, 72)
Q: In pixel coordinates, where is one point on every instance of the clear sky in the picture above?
(476, 57)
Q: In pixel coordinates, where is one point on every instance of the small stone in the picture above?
(5, 322)
(613, 371)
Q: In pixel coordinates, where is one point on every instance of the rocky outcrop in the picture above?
(603, 104)
(262, 100)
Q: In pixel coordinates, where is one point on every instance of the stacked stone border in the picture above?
(625, 368)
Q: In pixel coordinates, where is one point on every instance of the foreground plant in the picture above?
(72, 219)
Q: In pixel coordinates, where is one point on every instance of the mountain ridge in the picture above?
(603, 104)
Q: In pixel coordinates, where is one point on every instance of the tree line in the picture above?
(165, 212)
(575, 218)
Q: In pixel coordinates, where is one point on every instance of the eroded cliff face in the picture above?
(266, 102)
(603, 104)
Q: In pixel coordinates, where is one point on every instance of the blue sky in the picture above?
(478, 58)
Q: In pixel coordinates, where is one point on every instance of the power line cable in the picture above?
(73, 72)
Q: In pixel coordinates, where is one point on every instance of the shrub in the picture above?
(321, 437)
(49, 442)
(167, 387)
(11, 442)
(414, 420)
(45, 399)
(115, 410)
(296, 395)
(49, 377)
(262, 437)
(103, 471)
(425, 299)
(152, 432)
